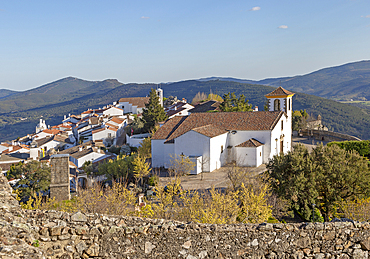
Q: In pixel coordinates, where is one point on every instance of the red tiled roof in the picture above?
(279, 91)
(136, 101)
(250, 143)
(210, 131)
(247, 121)
(117, 120)
(113, 107)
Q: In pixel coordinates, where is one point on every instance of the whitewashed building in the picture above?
(247, 138)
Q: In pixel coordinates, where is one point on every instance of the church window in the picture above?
(222, 148)
(289, 104)
(277, 105)
(282, 125)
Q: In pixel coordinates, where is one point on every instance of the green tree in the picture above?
(325, 177)
(299, 120)
(233, 104)
(35, 177)
(153, 112)
(119, 168)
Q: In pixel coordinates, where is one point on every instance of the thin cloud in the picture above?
(283, 27)
(365, 16)
(256, 8)
(145, 17)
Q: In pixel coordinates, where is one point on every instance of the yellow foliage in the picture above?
(358, 209)
(254, 207)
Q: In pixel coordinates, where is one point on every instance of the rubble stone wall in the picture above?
(54, 234)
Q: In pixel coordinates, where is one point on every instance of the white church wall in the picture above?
(193, 144)
(249, 156)
(216, 157)
(263, 136)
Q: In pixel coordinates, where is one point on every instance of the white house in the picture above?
(133, 105)
(107, 134)
(247, 138)
(113, 111)
(178, 109)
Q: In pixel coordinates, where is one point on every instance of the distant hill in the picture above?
(90, 94)
(341, 83)
(6, 93)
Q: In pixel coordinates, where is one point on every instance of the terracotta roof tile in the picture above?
(210, 131)
(247, 121)
(250, 143)
(279, 91)
(168, 127)
(117, 120)
(136, 101)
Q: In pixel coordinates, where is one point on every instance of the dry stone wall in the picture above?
(62, 235)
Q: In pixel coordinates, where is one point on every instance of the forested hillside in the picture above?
(18, 122)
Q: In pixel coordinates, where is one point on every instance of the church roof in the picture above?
(218, 122)
(279, 92)
(250, 143)
(210, 131)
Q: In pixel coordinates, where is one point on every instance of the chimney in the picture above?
(80, 148)
(65, 116)
(256, 108)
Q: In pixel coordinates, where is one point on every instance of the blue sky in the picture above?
(165, 41)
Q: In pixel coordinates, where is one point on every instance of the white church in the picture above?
(214, 139)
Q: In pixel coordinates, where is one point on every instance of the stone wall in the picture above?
(328, 135)
(63, 235)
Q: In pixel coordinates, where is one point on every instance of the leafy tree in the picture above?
(324, 177)
(119, 168)
(233, 104)
(145, 149)
(35, 177)
(299, 120)
(199, 97)
(180, 165)
(141, 168)
(153, 112)
(215, 97)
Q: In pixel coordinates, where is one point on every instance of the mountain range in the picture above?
(340, 83)
(20, 111)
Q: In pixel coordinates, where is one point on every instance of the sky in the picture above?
(157, 41)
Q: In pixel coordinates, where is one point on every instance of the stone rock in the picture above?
(187, 244)
(359, 254)
(79, 217)
(191, 257)
(254, 242)
(93, 250)
(203, 254)
(80, 247)
(365, 244)
(148, 247)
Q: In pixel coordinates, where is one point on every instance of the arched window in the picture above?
(277, 105)
(289, 104)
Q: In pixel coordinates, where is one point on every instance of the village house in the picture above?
(179, 108)
(215, 139)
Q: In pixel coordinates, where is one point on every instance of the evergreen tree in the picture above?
(325, 177)
(35, 177)
(233, 104)
(153, 112)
